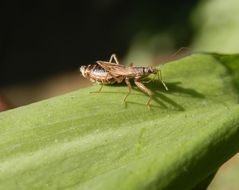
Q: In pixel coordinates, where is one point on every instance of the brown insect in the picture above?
(109, 72)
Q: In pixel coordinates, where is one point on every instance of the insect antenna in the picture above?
(181, 52)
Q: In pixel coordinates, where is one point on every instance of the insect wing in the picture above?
(116, 70)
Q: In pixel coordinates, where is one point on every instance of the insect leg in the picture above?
(149, 80)
(161, 79)
(144, 89)
(113, 57)
(101, 86)
(117, 79)
(129, 88)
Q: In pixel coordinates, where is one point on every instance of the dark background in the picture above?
(42, 38)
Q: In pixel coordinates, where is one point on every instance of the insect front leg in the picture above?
(149, 80)
(161, 79)
(143, 88)
(113, 57)
(129, 89)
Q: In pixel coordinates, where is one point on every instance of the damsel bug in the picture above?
(109, 72)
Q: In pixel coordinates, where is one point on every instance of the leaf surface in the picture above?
(91, 141)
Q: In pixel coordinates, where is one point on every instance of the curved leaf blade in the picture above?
(88, 141)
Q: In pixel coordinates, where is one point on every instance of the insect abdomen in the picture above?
(97, 74)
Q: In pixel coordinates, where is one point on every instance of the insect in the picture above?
(109, 72)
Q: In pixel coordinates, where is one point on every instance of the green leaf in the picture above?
(91, 141)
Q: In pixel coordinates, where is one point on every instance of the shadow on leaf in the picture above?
(174, 88)
(160, 94)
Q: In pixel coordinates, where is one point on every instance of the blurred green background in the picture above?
(44, 42)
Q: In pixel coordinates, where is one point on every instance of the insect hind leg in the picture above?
(113, 57)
